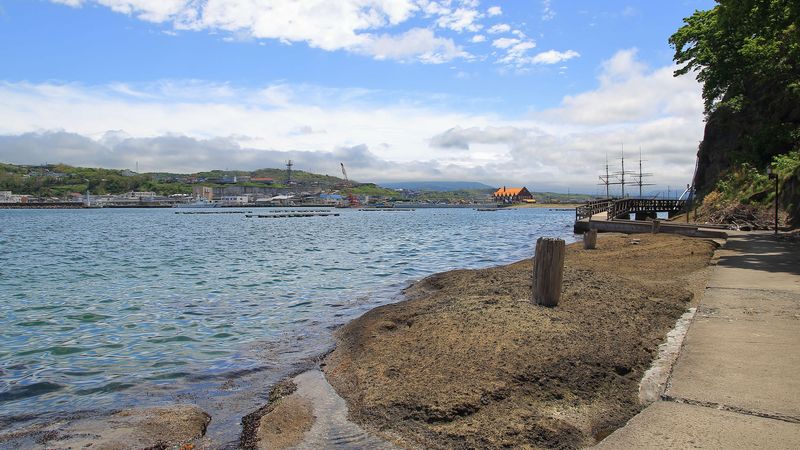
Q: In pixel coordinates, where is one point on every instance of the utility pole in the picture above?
(688, 201)
(774, 176)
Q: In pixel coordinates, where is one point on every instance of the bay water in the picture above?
(109, 308)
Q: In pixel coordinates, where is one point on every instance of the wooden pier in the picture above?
(616, 208)
(606, 215)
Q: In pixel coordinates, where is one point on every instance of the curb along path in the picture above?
(736, 383)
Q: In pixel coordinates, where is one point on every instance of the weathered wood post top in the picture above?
(590, 239)
(548, 271)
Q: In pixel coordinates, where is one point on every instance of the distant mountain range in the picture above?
(437, 186)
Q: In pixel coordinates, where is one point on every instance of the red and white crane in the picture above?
(352, 199)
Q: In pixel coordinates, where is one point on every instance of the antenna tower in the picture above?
(289, 165)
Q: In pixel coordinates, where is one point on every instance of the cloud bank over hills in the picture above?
(191, 125)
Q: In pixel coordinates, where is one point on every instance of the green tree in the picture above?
(741, 51)
(746, 54)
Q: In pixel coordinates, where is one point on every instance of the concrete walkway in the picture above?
(736, 383)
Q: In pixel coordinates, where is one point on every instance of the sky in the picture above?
(532, 92)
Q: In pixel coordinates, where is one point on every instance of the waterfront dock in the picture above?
(612, 215)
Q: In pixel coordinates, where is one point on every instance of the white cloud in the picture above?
(73, 3)
(517, 48)
(516, 52)
(374, 28)
(150, 10)
(505, 42)
(433, 8)
(460, 20)
(623, 65)
(188, 154)
(278, 117)
(417, 43)
(360, 26)
(499, 28)
(554, 57)
(547, 10)
(630, 92)
(647, 108)
(170, 126)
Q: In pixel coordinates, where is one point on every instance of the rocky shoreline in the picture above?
(468, 362)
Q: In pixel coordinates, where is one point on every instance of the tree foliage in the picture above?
(742, 51)
(746, 54)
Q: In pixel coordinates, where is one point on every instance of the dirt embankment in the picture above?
(469, 362)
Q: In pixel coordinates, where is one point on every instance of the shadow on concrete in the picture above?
(763, 252)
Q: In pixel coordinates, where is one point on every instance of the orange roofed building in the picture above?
(512, 195)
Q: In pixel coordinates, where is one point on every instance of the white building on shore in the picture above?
(9, 197)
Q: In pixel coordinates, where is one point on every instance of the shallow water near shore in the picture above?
(104, 309)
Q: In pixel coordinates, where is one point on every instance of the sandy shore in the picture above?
(468, 362)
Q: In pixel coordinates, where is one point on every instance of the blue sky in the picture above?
(533, 92)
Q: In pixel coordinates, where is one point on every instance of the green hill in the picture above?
(56, 180)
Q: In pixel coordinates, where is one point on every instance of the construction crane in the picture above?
(351, 198)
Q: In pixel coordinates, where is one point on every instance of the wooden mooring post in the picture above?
(590, 239)
(656, 226)
(548, 271)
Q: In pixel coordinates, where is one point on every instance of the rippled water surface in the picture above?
(100, 306)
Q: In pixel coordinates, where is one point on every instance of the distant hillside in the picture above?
(61, 179)
(437, 186)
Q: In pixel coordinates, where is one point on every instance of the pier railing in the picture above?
(634, 205)
(593, 207)
(621, 206)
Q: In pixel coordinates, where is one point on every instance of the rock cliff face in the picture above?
(753, 135)
(713, 155)
(790, 198)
